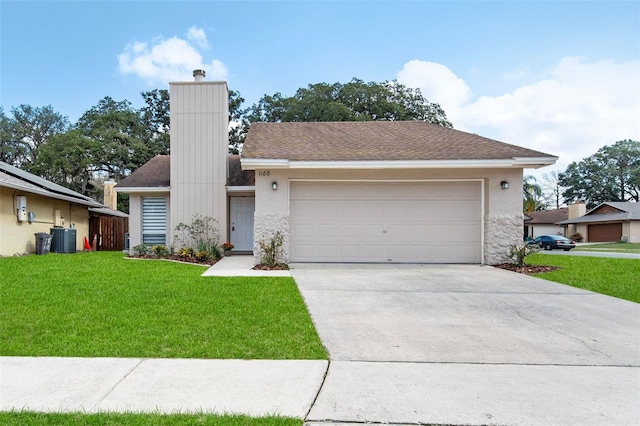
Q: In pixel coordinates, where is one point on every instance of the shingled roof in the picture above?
(377, 141)
(156, 173)
(548, 216)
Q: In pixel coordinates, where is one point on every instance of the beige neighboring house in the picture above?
(391, 192)
(608, 222)
(545, 222)
(30, 204)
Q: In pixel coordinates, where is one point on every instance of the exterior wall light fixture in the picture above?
(504, 184)
(274, 185)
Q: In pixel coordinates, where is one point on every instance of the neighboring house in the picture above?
(338, 192)
(545, 222)
(30, 204)
(608, 222)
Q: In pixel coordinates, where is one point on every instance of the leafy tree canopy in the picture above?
(611, 174)
(353, 101)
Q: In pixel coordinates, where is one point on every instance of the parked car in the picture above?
(550, 242)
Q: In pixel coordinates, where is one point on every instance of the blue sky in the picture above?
(559, 77)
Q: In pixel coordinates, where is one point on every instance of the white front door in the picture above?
(241, 213)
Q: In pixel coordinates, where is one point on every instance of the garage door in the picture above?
(402, 222)
(604, 233)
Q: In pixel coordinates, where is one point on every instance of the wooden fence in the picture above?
(109, 232)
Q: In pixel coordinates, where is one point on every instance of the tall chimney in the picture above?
(110, 195)
(199, 75)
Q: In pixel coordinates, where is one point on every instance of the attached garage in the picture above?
(393, 221)
(605, 232)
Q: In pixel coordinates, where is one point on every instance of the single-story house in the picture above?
(609, 222)
(30, 204)
(405, 192)
(545, 222)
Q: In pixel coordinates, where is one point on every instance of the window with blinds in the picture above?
(154, 220)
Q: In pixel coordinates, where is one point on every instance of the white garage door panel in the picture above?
(438, 222)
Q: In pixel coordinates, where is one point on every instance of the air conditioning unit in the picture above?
(64, 240)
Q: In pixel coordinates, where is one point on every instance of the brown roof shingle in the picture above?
(373, 141)
(155, 173)
(548, 216)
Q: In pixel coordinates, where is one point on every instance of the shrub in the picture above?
(271, 251)
(201, 235)
(186, 252)
(519, 252)
(141, 250)
(202, 255)
(160, 250)
(577, 237)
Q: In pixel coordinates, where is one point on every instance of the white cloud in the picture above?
(576, 109)
(174, 59)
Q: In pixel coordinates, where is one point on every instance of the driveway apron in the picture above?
(466, 344)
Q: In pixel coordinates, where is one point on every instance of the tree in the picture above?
(353, 101)
(532, 195)
(156, 121)
(238, 124)
(611, 174)
(118, 137)
(552, 189)
(27, 130)
(67, 159)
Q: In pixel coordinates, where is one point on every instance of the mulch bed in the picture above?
(176, 258)
(276, 267)
(526, 269)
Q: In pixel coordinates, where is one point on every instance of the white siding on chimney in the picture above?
(199, 150)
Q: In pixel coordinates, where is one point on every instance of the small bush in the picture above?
(202, 255)
(142, 250)
(577, 237)
(160, 250)
(271, 251)
(518, 252)
(186, 252)
(201, 235)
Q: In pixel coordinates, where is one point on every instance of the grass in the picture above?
(616, 247)
(611, 276)
(26, 418)
(103, 305)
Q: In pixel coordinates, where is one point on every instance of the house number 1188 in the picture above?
(264, 172)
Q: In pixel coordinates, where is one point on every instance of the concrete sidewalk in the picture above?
(240, 266)
(251, 387)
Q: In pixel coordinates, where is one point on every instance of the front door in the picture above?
(241, 226)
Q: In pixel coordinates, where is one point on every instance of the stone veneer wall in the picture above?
(501, 232)
(265, 226)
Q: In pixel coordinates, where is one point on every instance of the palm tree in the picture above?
(532, 195)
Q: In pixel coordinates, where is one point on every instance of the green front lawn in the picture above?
(616, 247)
(104, 305)
(614, 277)
(23, 418)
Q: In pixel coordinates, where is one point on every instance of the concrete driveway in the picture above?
(463, 344)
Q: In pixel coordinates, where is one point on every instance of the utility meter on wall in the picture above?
(21, 207)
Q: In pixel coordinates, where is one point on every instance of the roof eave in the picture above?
(268, 163)
(143, 189)
(45, 193)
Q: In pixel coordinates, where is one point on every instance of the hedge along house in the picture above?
(405, 192)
